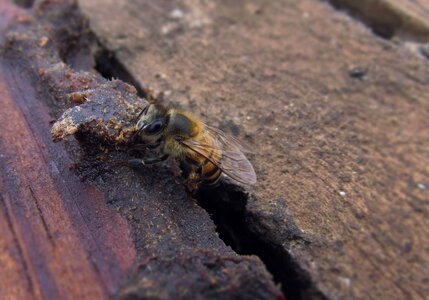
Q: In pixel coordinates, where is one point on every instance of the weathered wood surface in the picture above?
(61, 238)
(338, 117)
(406, 19)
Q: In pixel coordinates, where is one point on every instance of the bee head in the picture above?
(152, 122)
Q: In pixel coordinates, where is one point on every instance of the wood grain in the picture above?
(337, 116)
(50, 212)
(64, 237)
(49, 224)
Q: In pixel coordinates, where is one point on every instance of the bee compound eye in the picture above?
(154, 127)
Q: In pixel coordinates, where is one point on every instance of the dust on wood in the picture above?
(342, 156)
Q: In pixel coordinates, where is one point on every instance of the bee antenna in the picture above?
(144, 110)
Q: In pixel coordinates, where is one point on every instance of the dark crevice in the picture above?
(110, 68)
(42, 217)
(24, 3)
(384, 19)
(227, 207)
(384, 26)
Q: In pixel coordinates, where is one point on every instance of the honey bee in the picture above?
(206, 154)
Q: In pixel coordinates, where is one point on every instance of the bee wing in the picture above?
(228, 139)
(230, 159)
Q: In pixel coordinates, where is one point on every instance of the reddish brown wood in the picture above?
(17, 284)
(337, 117)
(50, 227)
(69, 244)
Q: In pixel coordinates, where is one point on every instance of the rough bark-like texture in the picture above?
(62, 237)
(338, 118)
(51, 246)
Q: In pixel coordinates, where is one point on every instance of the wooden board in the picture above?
(64, 237)
(338, 119)
(58, 235)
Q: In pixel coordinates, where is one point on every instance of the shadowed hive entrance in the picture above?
(226, 206)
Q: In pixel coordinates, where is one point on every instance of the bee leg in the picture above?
(155, 160)
(137, 150)
(193, 180)
(136, 163)
(192, 185)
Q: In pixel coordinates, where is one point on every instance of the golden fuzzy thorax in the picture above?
(196, 133)
(172, 146)
(197, 124)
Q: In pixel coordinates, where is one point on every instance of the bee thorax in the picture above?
(183, 124)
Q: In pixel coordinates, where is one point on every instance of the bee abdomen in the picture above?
(210, 174)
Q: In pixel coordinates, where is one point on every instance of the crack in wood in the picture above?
(227, 208)
(388, 19)
(110, 68)
(42, 218)
(24, 3)
(22, 259)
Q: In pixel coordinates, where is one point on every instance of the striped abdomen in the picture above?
(207, 162)
(210, 173)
